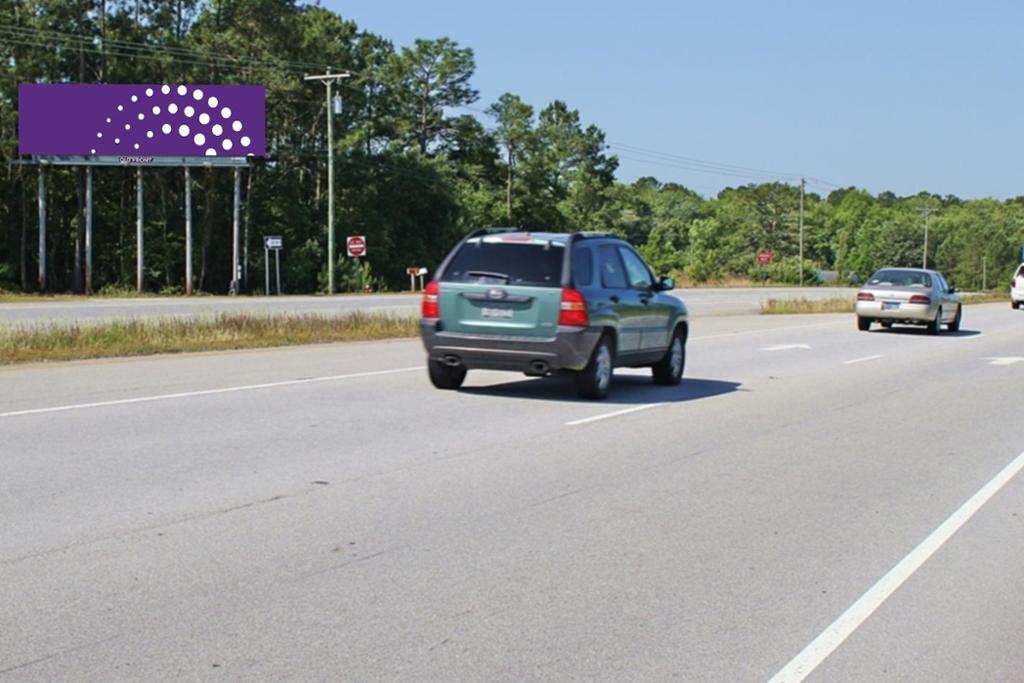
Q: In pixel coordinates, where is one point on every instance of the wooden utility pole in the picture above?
(926, 212)
(329, 79)
(803, 185)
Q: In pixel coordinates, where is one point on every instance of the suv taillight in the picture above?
(920, 299)
(572, 310)
(865, 296)
(431, 308)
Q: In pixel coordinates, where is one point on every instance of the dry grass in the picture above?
(1001, 297)
(845, 305)
(684, 281)
(20, 298)
(225, 331)
(785, 306)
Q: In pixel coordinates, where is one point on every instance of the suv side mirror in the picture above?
(666, 283)
(952, 290)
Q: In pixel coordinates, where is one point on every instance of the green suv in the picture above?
(539, 303)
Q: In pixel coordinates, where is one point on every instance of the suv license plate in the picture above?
(496, 313)
(890, 305)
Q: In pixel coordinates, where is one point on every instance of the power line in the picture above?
(697, 169)
(670, 160)
(44, 38)
(701, 162)
(133, 48)
(724, 167)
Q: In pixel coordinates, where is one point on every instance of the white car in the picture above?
(1017, 287)
(909, 296)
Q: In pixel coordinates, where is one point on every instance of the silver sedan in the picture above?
(911, 296)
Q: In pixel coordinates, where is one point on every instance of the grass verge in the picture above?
(788, 306)
(225, 331)
(845, 305)
(1000, 297)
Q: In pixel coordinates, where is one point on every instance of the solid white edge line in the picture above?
(204, 392)
(605, 416)
(832, 637)
(860, 360)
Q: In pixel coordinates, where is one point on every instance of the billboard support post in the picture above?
(42, 229)
(188, 231)
(235, 284)
(88, 230)
(140, 280)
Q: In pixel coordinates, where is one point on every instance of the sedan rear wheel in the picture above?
(935, 326)
(955, 325)
(863, 324)
(1015, 304)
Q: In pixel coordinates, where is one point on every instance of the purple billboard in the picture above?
(158, 119)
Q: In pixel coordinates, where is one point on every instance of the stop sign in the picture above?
(356, 245)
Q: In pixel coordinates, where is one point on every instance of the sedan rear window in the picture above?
(892, 277)
(490, 261)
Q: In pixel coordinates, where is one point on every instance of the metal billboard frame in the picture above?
(139, 162)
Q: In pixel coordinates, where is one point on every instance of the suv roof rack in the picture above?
(585, 234)
(489, 231)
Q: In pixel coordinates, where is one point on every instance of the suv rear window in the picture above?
(583, 267)
(611, 267)
(495, 261)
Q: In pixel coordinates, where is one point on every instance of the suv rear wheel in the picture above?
(669, 370)
(595, 379)
(445, 376)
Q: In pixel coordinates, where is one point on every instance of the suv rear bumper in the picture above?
(569, 349)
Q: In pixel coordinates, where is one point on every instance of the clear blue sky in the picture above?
(900, 96)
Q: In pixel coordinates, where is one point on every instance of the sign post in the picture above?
(356, 247)
(273, 243)
(412, 272)
(764, 258)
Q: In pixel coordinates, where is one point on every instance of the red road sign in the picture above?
(356, 245)
(764, 257)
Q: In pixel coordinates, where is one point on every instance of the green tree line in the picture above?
(419, 161)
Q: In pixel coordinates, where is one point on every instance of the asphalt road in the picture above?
(322, 513)
(701, 302)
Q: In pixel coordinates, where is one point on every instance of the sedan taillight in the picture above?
(920, 299)
(865, 296)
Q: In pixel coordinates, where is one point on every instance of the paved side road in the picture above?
(701, 301)
(322, 513)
